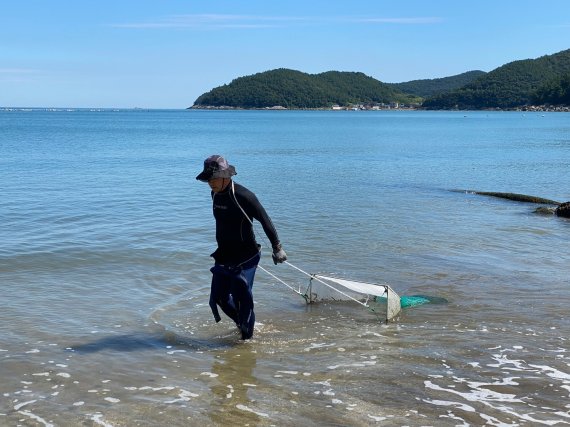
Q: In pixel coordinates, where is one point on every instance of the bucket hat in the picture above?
(216, 166)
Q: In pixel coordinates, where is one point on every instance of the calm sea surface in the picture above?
(104, 269)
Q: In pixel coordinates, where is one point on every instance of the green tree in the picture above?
(511, 85)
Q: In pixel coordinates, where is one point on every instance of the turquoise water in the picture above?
(104, 266)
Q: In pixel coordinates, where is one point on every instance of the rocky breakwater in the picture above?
(556, 208)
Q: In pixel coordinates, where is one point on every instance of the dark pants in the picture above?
(232, 291)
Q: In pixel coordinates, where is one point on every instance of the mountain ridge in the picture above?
(512, 85)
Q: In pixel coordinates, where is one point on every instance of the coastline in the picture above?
(525, 108)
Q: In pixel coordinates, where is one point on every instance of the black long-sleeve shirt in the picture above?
(234, 232)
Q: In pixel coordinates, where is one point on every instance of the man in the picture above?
(238, 253)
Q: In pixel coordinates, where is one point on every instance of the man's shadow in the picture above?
(145, 341)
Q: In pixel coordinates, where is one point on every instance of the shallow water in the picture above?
(105, 269)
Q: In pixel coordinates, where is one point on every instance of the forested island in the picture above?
(540, 84)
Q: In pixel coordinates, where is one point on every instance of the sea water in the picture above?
(105, 239)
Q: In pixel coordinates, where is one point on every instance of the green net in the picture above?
(415, 300)
(412, 301)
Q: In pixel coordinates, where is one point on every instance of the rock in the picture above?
(518, 197)
(563, 210)
(544, 210)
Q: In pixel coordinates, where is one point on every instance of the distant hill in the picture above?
(511, 85)
(430, 87)
(295, 89)
(530, 81)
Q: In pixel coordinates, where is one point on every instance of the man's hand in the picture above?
(278, 254)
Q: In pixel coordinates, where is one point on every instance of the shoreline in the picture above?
(526, 108)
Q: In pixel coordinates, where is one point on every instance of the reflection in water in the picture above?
(232, 373)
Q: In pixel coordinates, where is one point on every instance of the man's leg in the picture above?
(243, 293)
(220, 294)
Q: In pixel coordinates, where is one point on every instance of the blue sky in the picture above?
(165, 53)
